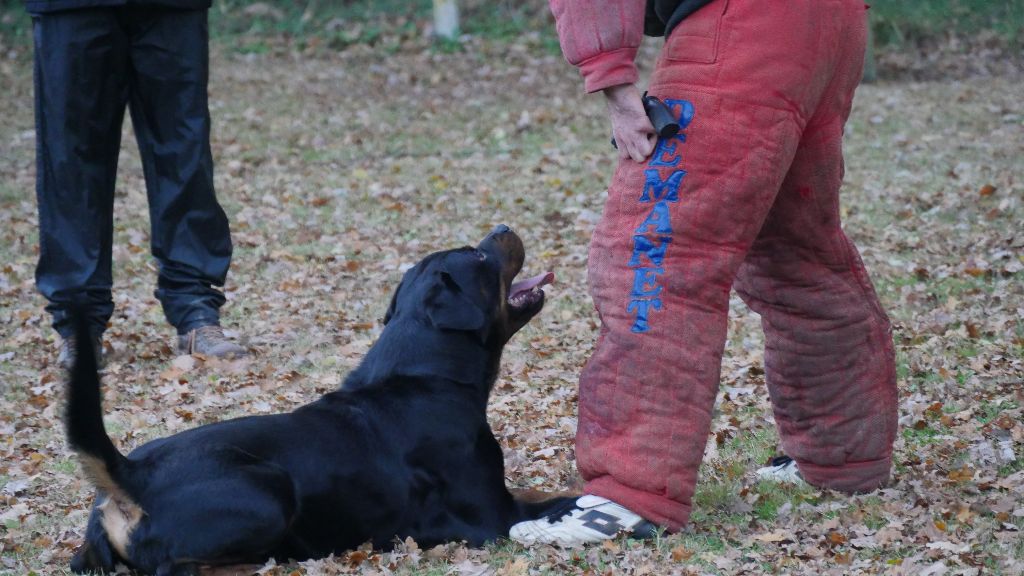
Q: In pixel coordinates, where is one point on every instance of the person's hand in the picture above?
(631, 129)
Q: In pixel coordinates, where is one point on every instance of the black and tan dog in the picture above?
(403, 449)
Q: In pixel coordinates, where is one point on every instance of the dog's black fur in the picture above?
(403, 449)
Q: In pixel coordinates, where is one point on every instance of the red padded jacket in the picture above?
(602, 38)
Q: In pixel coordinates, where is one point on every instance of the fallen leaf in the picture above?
(776, 536)
(835, 538)
(864, 542)
(948, 546)
(681, 553)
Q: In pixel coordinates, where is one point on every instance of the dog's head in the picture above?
(472, 289)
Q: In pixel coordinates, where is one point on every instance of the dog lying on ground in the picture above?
(403, 449)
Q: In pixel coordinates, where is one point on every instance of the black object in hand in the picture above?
(660, 115)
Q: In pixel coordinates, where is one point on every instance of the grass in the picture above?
(991, 410)
(337, 25)
(721, 493)
(897, 22)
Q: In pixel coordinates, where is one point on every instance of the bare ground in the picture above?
(337, 170)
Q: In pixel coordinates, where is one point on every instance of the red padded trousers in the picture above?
(746, 196)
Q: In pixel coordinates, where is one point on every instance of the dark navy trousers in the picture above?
(89, 65)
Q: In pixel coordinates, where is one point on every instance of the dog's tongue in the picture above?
(531, 283)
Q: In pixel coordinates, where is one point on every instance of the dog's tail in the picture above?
(103, 465)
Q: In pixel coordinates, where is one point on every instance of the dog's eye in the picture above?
(480, 255)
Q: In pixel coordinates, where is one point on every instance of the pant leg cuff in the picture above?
(197, 322)
(655, 508)
(852, 477)
(65, 329)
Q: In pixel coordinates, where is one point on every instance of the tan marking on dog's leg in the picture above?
(120, 518)
(120, 514)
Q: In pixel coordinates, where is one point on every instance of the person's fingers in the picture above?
(638, 144)
(622, 141)
(643, 139)
(625, 145)
(648, 144)
(633, 133)
(636, 150)
(632, 129)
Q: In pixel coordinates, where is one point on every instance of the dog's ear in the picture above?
(450, 308)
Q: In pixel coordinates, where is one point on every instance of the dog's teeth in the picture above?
(519, 299)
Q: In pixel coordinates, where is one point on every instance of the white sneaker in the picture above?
(782, 469)
(589, 519)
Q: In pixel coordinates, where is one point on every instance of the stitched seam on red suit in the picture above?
(677, 87)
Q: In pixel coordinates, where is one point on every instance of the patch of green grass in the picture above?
(924, 381)
(15, 23)
(718, 491)
(923, 436)
(773, 495)
(257, 46)
(872, 507)
(989, 410)
(966, 286)
(889, 287)
(340, 24)
(941, 288)
(753, 447)
(897, 22)
(713, 501)
(337, 25)
(22, 557)
(902, 365)
(714, 496)
(113, 428)
(704, 541)
(896, 555)
(894, 22)
(1017, 548)
(962, 376)
(10, 194)
(364, 34)
(229, 18)
(65, 465)
(1013, 467)
(767, 509)
(448, 45)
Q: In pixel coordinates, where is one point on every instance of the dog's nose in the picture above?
(500, 229)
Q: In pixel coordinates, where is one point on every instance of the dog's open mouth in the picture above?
(527, 293)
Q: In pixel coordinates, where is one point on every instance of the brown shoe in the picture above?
(209, 341)
(66, 356)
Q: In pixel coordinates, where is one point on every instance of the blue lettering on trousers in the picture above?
(662, 180)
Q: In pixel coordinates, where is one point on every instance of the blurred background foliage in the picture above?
(335, 24)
